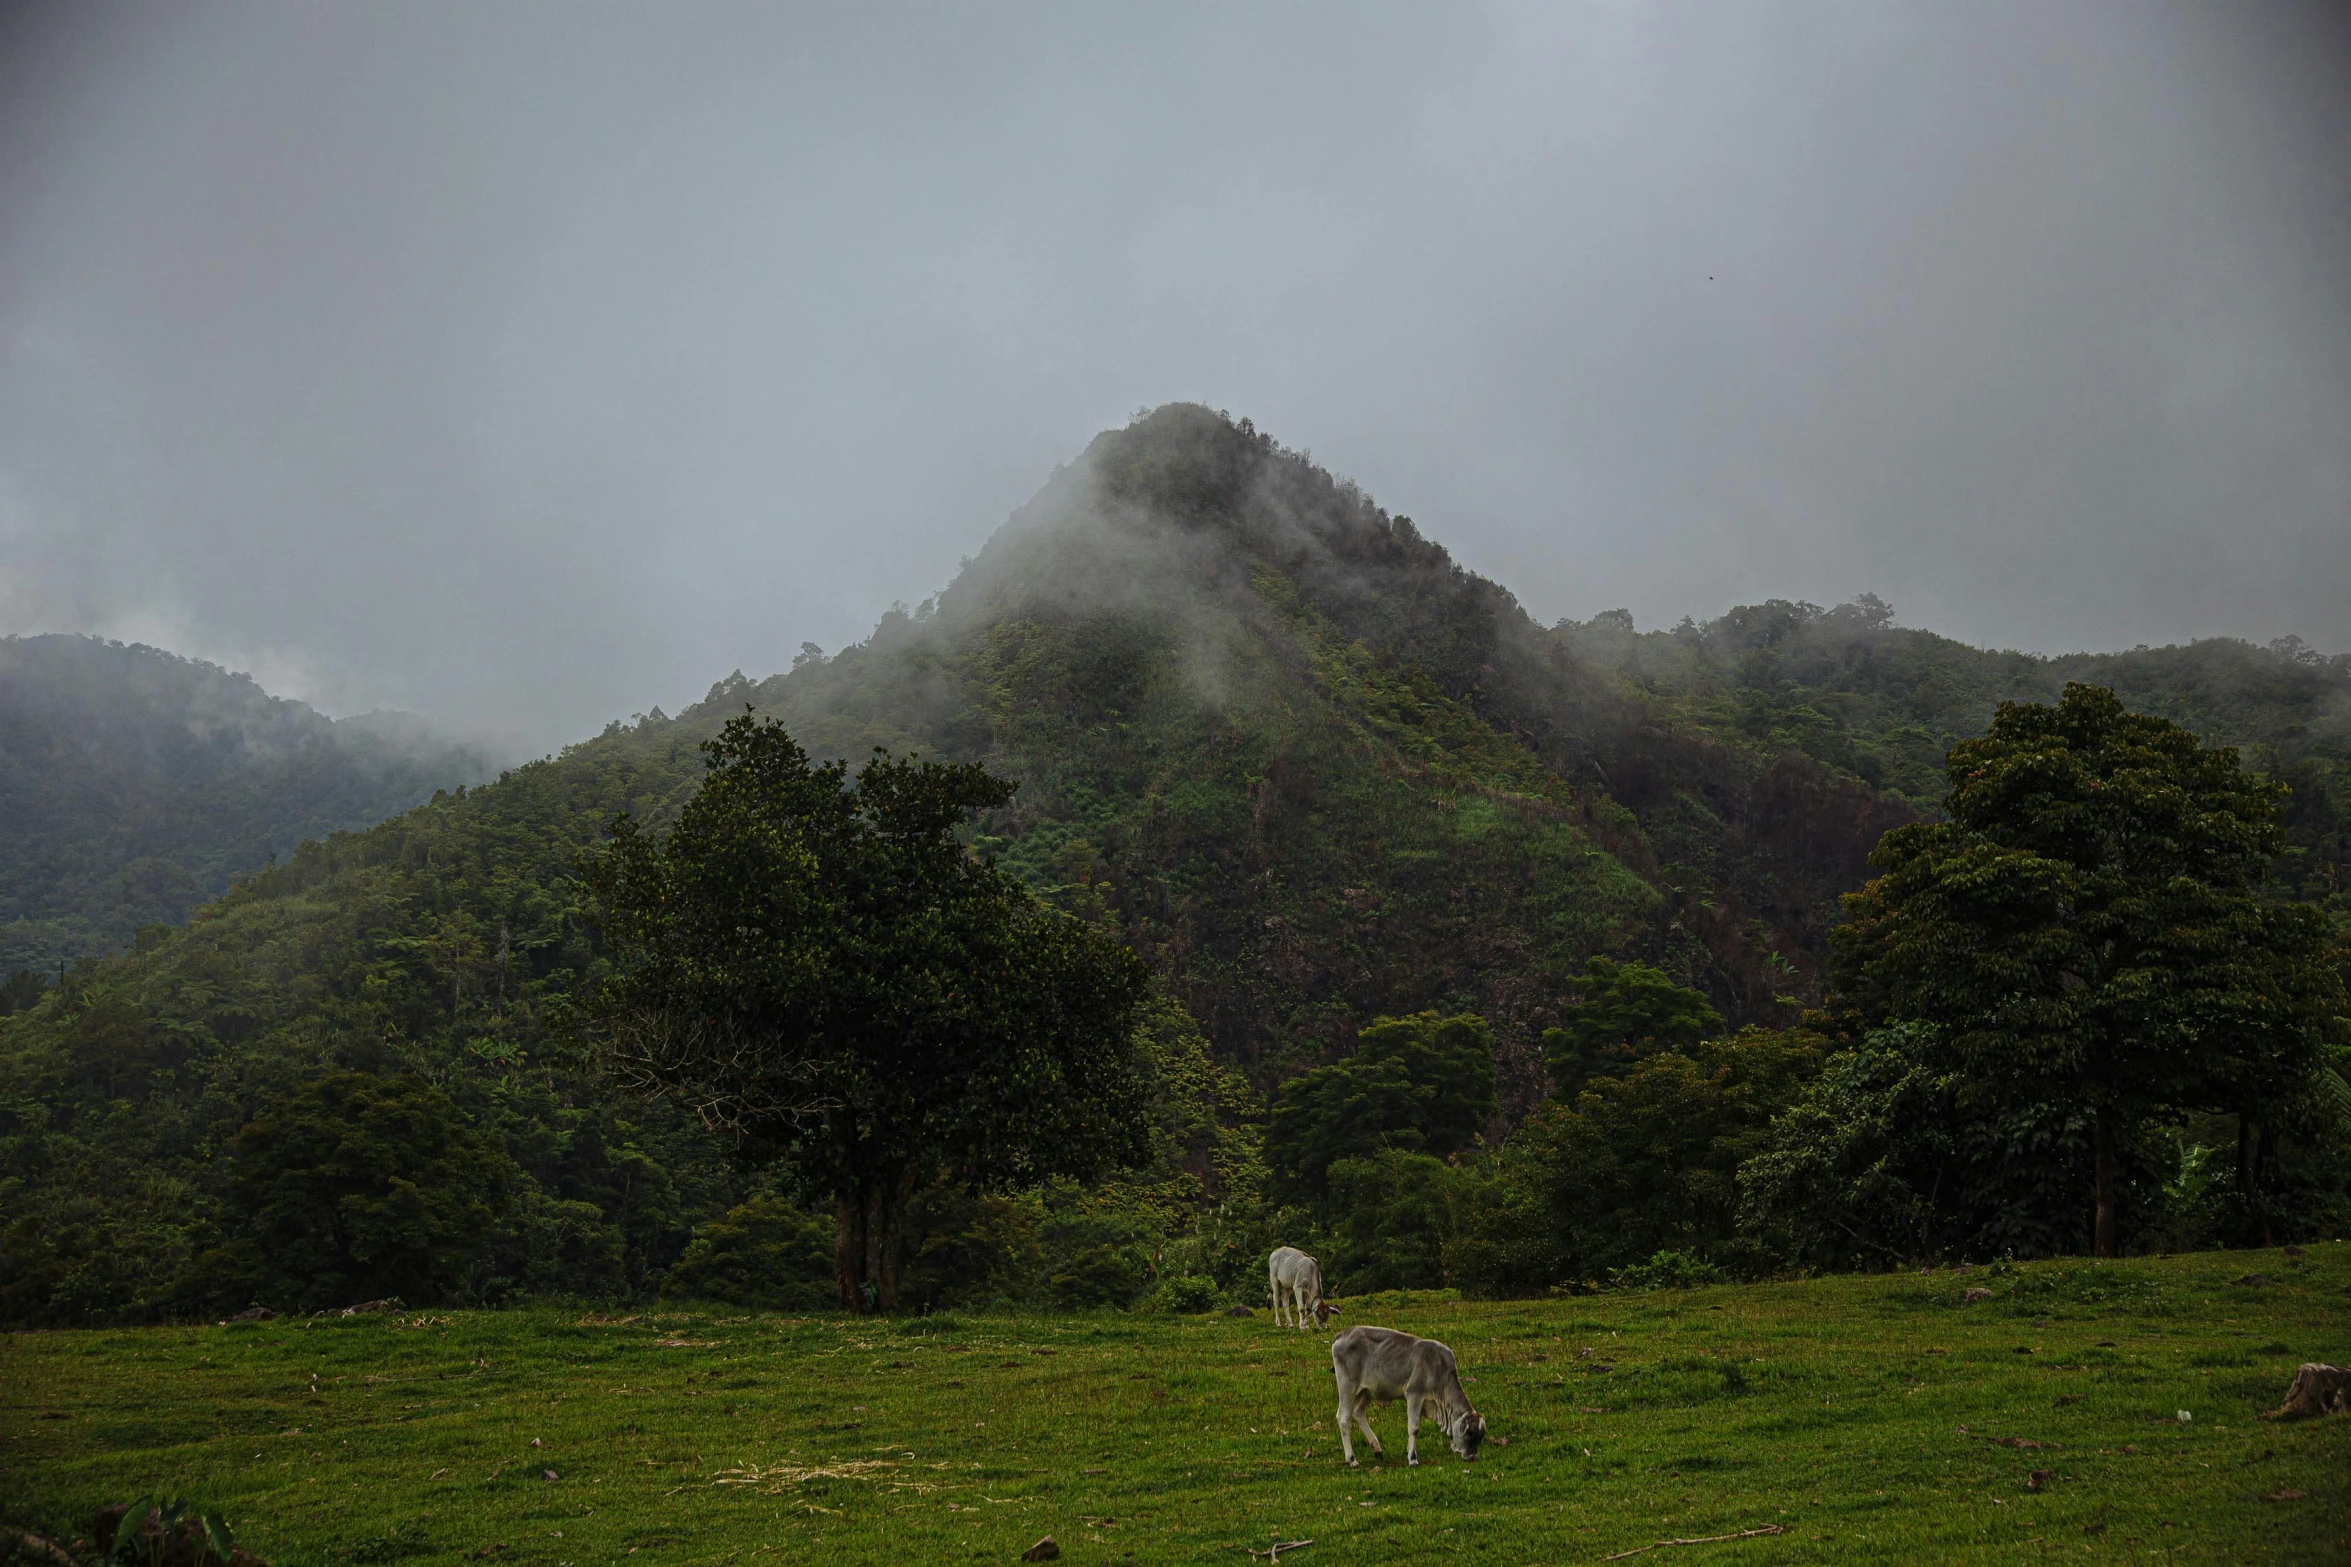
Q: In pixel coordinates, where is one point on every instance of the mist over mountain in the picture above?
(136, 784)
(522, 365)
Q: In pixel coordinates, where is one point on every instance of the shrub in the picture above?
(1504, 1243)
(1394, 1221)
(355, 1186)
(969, 1250)
(764, 1252)
(1668, 1270)
(1096, 1257)
(1189, 1295)
(1095, 1277)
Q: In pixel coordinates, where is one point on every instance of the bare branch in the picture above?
(735, 1079)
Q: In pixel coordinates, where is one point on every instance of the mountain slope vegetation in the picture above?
(135, 785)
(1313, 770)
(1883, 702)
(1319, 773)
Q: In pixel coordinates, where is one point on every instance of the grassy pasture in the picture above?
(1866, 1416)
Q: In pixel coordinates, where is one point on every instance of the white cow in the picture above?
(1290, 1272)
(1385, 1365)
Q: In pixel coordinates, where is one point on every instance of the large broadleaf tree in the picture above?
(2089, 926)
(819, 967)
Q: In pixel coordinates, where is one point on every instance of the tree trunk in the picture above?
(2261, 1158)
(2105, 1240)
(877, 1244)
(2249, 1176)
(868, 1230)
(849, 1250)
(892, 1196)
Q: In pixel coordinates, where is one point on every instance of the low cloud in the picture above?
(530, 365)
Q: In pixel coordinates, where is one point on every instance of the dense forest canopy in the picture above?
(134, 785)
(1850, 688)
(1314, 773)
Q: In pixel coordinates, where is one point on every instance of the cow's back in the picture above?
(1378, 1359)
(1433, 1366)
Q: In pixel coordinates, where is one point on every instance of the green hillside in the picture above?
(135, 784)
(1313, 770)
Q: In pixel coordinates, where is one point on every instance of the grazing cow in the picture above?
(1290, 1272)
(1385, 1365)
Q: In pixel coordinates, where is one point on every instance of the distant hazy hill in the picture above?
(135, 784)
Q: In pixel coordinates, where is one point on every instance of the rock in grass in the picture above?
(2317, 1389)
(1975, 1294)
(1043, 1551)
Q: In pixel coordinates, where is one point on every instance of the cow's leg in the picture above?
(1412, 1428)
(1273, 1287)
(1346, 1410)
(1363, 1418)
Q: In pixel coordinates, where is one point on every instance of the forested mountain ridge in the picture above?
(1318, 772)
(1884, 702)
(134, 784)
(1312, 769)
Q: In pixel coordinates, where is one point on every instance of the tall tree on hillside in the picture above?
(2089, 927)
(355, 1185)
(819, 968)
(1418, 1084)
(1626, 1011)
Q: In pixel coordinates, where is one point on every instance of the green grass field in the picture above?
(1872, 1419)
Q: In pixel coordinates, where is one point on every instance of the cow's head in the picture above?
(1467, 1432)
(1323, 1312)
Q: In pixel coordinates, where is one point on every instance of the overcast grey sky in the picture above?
(529, 365)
